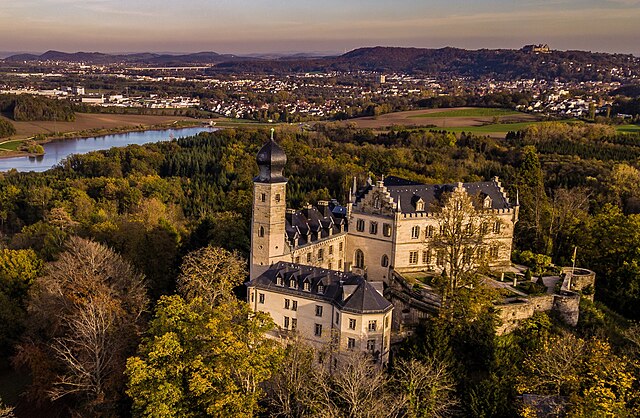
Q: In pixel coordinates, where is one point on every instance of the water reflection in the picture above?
(57, 151)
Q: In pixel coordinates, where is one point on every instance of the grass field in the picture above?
(10, 145)
(628, 128)
(474, 112)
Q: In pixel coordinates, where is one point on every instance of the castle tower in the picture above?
(269, 207)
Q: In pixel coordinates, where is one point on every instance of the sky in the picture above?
(327, 26)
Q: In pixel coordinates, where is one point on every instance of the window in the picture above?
(360, 225)
(340, 247)
(351, 343)
(278, 197)
(373, 325)
(420, 205)
(330, 249)
(340, 264)
(386, 322)
(320, 254)
(484, 228)
(263, 197)
(297, 260)
(260, 297)
(352, 324)
(294, 323)
(359, 259)
(337, 317)
(318, 310)
(292, 284)
(426, 257)
(261, 231)
(373, 228)
(386, 230)
(317, 331)
(443, 229)
(252, 297)
(413, 257)
(496, 227)
(279, 281)
(306, 286)
(286, 322)
(467, 254)
(415, 232)
(468, 229)
(482, 253)
(294, 305)
(376, 202)
(385, 261)
(494, 251)
(320, 288)
(308, 257)
(330, 266)
(371, 345)
(429, 231)
(440, 258)
(287, 303)
(486, 203)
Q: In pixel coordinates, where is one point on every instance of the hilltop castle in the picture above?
(321, 270)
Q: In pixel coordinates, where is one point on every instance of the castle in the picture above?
(321, 270)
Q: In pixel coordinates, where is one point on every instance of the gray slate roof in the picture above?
(410, 192)
(313, 223)
(347, 291)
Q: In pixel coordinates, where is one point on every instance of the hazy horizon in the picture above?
(243, 27)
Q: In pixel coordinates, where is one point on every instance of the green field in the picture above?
(11, 145)
(473, 112)
(498, 127)
(628, 128)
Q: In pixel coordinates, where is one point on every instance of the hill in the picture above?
(494, 63)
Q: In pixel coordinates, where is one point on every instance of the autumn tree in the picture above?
(201, 360)
(85, 315)
(5, 411)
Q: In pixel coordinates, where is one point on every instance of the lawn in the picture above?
(628, 128)
(470, 112)
(10, 145)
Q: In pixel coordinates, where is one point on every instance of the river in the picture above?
(56, 151)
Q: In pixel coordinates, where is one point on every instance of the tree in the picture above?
(6, 128)
(461, 242)
(200, 360)
(85, 316)
(427, 387)
(211, 273)
(5, 411)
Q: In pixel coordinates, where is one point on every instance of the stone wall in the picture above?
(578, 280)
(514, 310)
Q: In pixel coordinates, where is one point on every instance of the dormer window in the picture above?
(420, 205)
(321, 288)
(279, 281)
(292, 284)
(306, 286)
(487, 202)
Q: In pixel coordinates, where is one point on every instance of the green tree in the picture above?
(200, 360)
(6, 128)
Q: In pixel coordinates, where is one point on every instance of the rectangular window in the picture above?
(360, 225)
(294, 323)
(318, 310)
(426, 257)
(371, 345)
(494, 251)
(415, 232)
(277, 197)
(263, 197)
(252, 298)
(440, 258)
(308, 257)
(351, 343)
(429, 231)
(496, 227)
(330, 249)
(373, 325)
(373, 228)
(413, 257)
(297, 260)
(260, 297)
(339, 246)
(443, 229)
(339, 264)
(386, 322)
(352, 324)
(337, 317)
(287, 303)
(294, 306)
(386, 230)
(317, 330)
(330, 266)
(286, 322)
(320, 254)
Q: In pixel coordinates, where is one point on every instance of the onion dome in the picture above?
(271, 160)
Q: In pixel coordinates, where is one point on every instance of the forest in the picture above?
(104, 306)
(26, 107)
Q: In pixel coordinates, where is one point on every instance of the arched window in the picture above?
(385, 261)
(261, 231)
(359, 259)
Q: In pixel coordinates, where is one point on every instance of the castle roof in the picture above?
(313, 223)
(347, 291)
(271, 160)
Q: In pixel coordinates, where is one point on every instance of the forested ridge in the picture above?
(151, 213)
